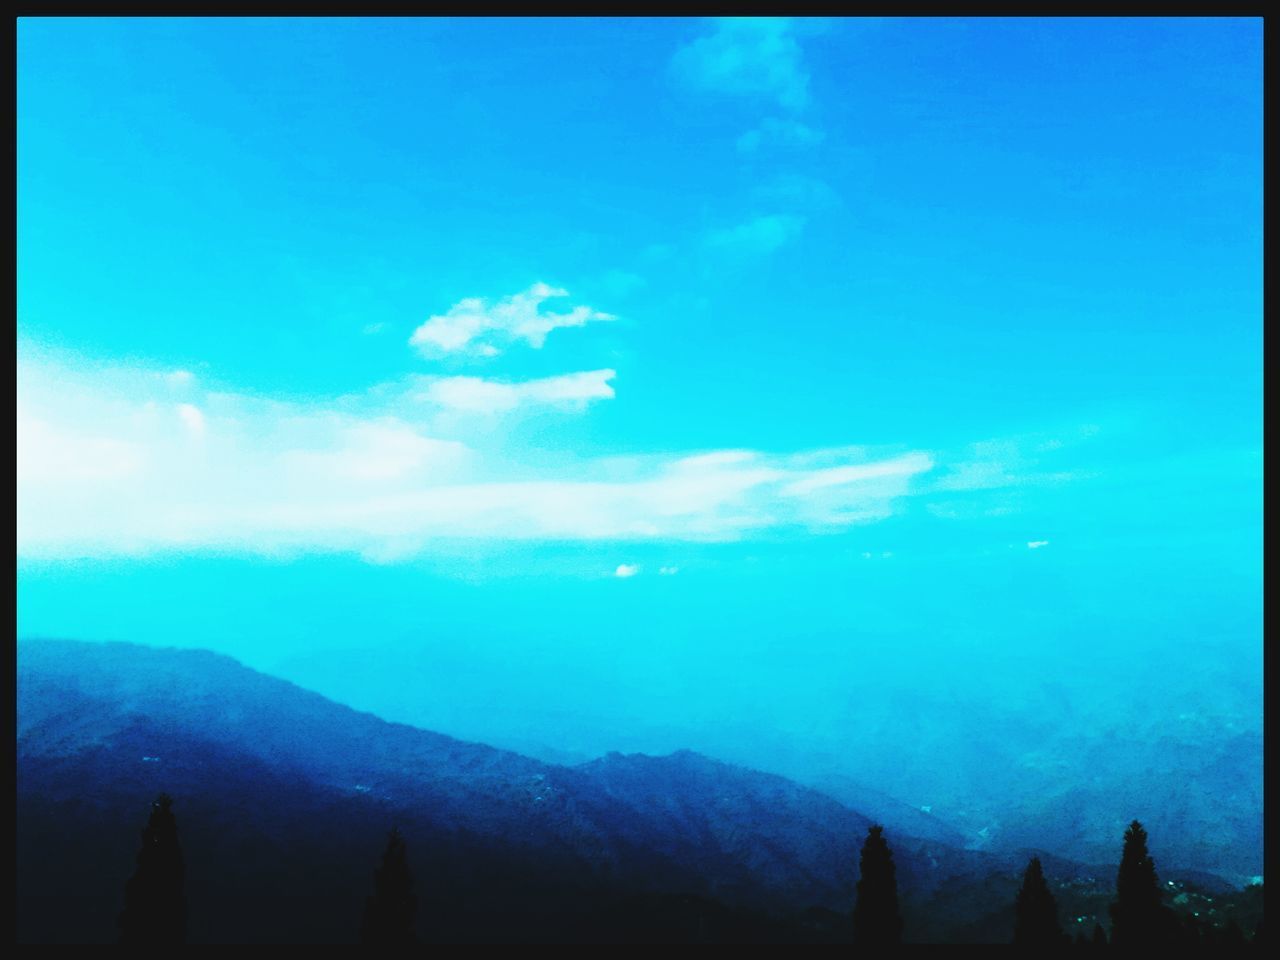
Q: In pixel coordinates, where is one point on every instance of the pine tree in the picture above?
(1036, 911)
(1232, 935)
(1137, 916)
(155, 906)
(1192, 933)
(389, 912)
(1099, 936)
(876, 921)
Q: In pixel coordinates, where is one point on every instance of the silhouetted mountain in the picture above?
(897, 817)
(1069, 767)
(286, 798)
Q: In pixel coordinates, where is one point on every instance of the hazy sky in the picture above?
(666, 370)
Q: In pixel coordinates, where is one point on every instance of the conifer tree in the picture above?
(1232, 935)
(1099, 936)
(1036, 912)
(155, 905)
(1137, 916)
(389, 912)
(1192, 932)
(876, 921)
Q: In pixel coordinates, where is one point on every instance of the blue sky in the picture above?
(483, 340)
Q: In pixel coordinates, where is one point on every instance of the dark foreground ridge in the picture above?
(284, 801)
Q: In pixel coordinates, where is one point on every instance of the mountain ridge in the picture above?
(263, 764)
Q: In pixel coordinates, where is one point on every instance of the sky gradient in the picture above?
(645, 384)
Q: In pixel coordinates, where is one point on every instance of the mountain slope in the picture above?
(283, 799)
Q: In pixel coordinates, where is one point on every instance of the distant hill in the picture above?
(283, 800)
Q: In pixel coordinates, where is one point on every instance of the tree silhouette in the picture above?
(155, 907)
(1137, 916)
(1192, 930)
(1099, 936)
(388, 913)
(876, 921)
(1036, 921)
(1229, 936)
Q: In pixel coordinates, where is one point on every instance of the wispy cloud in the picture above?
(818, 480)
(784, 132)
(1005, 477)
(755, 57)
(477, 395)
(192, 418)
(476, 326)
(131, 460)
(757, 237)
(1007, 463)
(626, 570)
(106, 465)
(371, 451)
(796, 192)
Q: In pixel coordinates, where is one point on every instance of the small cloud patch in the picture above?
(485, 328)
(192, 418)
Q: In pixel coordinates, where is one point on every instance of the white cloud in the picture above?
(979, 475)
(179, 378)
(106, 466)
(476, 326)
(758, 237)
(776, 132)
(839, 476)
(753, 57)
(54, 453)
(192, 419)
(626, 570)
(476, 395)
(668, 571)
(1008, 463)
(370, 451)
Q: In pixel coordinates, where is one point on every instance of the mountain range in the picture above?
(284, 800)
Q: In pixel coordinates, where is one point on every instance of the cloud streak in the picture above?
(756, 57)
(757, 237)
(478, 327)
(781, 133)
(107, 466)
(476, 395)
